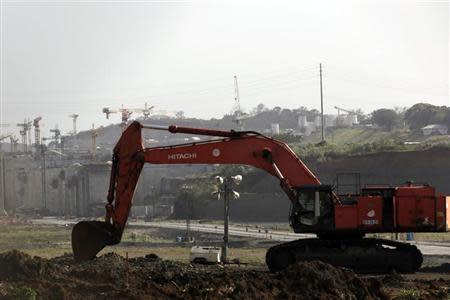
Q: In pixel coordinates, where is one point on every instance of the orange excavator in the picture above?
(340, 222)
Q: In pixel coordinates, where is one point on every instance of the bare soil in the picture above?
(114, 277)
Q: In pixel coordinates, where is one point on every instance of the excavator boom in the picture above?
(247, 148)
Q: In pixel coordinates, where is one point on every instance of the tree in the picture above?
(385, 118)
(277, 109)
(423, 114)
(179, 114)
(258, 109)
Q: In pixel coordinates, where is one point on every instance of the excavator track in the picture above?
(362, 255)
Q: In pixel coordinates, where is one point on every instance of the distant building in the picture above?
(275, 127)
(435, 129)
(330, 120)
(302, 122)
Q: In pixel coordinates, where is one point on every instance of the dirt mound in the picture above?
(393, 279)
(318, 280)
(16, 265)
(112, 276)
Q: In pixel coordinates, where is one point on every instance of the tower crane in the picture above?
(144, 111)
(37, 131)
(3, 125)
(56, 136)
(13, 142)
(350, 112)
(126, 112)
(74, 120)
(94, 134)
(26, 127)
(3, 137)
(108, 111)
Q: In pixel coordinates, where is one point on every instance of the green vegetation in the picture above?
(385, 118)
(422, 114)
(390, 130)
(22, 293)
(31, 235)
(50, 241)
(53, 240)
(407, 294)
(344, 142)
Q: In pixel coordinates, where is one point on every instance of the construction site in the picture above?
(177, 244)
(196, 150)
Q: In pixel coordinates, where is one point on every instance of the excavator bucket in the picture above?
(89, 238)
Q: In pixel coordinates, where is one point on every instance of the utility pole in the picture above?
(226, 219)
(56, 137)
(43, 177)
(26, 127)
(94, 135)
(189, 205)
(2, 184)
(37, 132)
(236, 94)
(13, 143)
(321, 102)
(2, 178)
(225, 185)
(29, 134)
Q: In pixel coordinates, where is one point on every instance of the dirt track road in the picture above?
(427, 248)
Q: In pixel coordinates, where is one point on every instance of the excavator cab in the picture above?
(313, 210)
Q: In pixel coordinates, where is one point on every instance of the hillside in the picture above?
(341, 142)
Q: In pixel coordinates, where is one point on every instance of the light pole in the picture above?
(187, 190)
(43, 177)
(226, 187)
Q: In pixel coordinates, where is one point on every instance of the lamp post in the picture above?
(43, 177)
(226, 187)
(187, 190)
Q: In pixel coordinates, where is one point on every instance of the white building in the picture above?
(275, 127)
(435, 129)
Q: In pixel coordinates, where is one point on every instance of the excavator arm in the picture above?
(245, 147)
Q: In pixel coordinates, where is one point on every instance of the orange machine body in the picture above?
(447, 216)
(316, 209)
(339, 221)
(366, 214)
(409, 208)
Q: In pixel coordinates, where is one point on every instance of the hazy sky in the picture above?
(65, 57)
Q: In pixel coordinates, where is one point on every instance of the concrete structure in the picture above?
(302, 122)
(435, 129)
(275, 127)
(330, 120)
